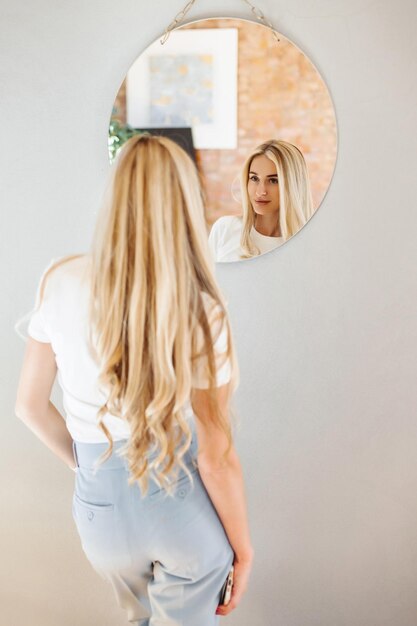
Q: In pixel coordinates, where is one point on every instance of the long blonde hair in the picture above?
(150, 264)
(151, 271)
(295, 199)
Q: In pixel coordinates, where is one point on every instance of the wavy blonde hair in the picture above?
(295, 199)
(151, 265)
(151, 270)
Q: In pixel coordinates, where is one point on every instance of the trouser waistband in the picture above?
(87, 454)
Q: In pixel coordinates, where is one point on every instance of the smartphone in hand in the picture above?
(226, 590)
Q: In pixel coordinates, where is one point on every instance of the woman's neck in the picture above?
(267, 225)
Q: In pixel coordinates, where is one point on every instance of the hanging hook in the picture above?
(180, 16)
(177, 20)
(261, 17)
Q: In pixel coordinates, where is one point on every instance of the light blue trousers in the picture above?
(166, 558)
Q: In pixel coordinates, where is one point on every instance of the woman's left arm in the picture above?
(33, 405)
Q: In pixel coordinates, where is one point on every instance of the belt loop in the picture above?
(74, 450)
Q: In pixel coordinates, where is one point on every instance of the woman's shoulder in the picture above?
(71, 263)
(63, 270)
(228, 222)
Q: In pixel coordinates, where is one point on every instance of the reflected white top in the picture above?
(224, 239)
(61, 321)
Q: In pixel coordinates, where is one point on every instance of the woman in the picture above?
(276, 200)
(139, 334)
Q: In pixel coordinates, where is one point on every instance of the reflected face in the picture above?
(263, 187)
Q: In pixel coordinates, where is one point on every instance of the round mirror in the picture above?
(253, 113)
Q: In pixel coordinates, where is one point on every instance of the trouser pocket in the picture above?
(101, 528)
(181, 487)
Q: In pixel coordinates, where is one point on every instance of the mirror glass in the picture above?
(254, 114)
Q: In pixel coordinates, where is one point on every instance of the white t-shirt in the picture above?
(61, 321)
(224, 239)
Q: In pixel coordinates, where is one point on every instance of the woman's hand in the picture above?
(241, 573)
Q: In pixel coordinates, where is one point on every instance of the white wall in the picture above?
(325, 326)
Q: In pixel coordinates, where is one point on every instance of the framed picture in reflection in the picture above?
(191, 80)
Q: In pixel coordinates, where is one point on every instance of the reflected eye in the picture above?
(253, 177)
(274, 181)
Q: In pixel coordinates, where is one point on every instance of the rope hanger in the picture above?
(180, 16)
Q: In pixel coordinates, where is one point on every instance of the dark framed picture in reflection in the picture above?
(182, 136)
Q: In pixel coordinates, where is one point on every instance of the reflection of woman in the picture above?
(276, 199)
(139, 333)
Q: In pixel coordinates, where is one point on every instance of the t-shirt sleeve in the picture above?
(222, 362)
(38, 325)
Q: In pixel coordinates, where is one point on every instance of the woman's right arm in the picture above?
(224, 484)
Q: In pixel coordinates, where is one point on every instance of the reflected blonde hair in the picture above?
(151, 266)
(295, 199)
